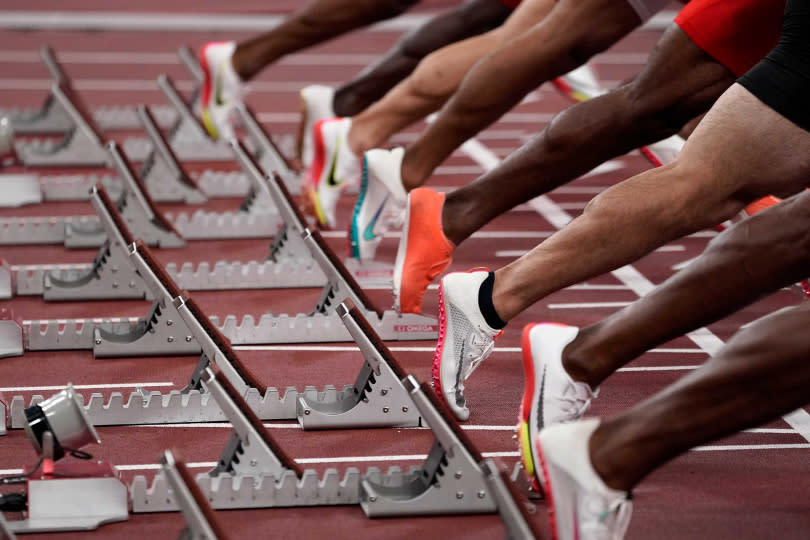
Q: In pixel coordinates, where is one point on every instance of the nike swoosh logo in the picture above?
(368, 234)
(331, 181)
(540, 421)
(218, 101)
(460, 401)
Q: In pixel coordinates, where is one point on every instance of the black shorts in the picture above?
(782, 79)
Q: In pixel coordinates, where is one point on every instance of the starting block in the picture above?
(201, 521)
(160, 333)
(111, 274)
(270, 158)
(450, 481)
(187, 136)
(2, 428)
(377, 399)
(82, 144)
(52, 118)
(11, 334)
(254, 472)
(135, 205)
(164, 177)
(322, 324)
(513, 507)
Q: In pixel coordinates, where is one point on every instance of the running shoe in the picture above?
(465, 338)
(549, 395)
(580, 84)
(316, 105)
(424, 251)
(222, 88)
(380, 203)
(333, 168)
(580, 505)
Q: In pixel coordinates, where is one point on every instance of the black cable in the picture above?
(20, 478)
(13, 502)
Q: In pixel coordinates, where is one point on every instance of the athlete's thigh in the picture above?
(748, 148)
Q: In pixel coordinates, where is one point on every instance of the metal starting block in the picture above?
(253, 471)
(81, 145)
(135, 206)
(187, 136)
(110, 276)
(323, 323)
(514, 508)
(192, 404)
(160, 333)
(201, 521)
(51, 118)
(451, 479)
(268, 155)
(164, 177)
(377, 399)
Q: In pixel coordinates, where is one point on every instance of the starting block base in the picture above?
(19, 190)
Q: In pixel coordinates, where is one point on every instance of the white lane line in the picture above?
(515, 253)
(204, 22)
(86, 386)
(733, 447)
(419, 457)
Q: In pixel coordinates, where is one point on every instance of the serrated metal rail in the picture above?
(142, 407)
(264, 491)
(319, 328)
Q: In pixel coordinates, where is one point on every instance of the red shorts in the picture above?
(511, 3)
(736, 33)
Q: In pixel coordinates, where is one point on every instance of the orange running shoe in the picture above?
(759, 205)
(424, 251)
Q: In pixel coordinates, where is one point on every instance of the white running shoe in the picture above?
(465, 338)
(316, 105)
(381, 202)
(580, 84)
(550, 396)
(580, 505)
(223, 90)
(333, 168)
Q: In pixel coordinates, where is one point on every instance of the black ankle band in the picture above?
(485, 303)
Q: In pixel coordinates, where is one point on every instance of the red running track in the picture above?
(752, 485)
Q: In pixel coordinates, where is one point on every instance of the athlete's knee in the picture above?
(429, 79)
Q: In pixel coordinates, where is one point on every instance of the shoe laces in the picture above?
(610, 523)
(481, 343)
(576, 399)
